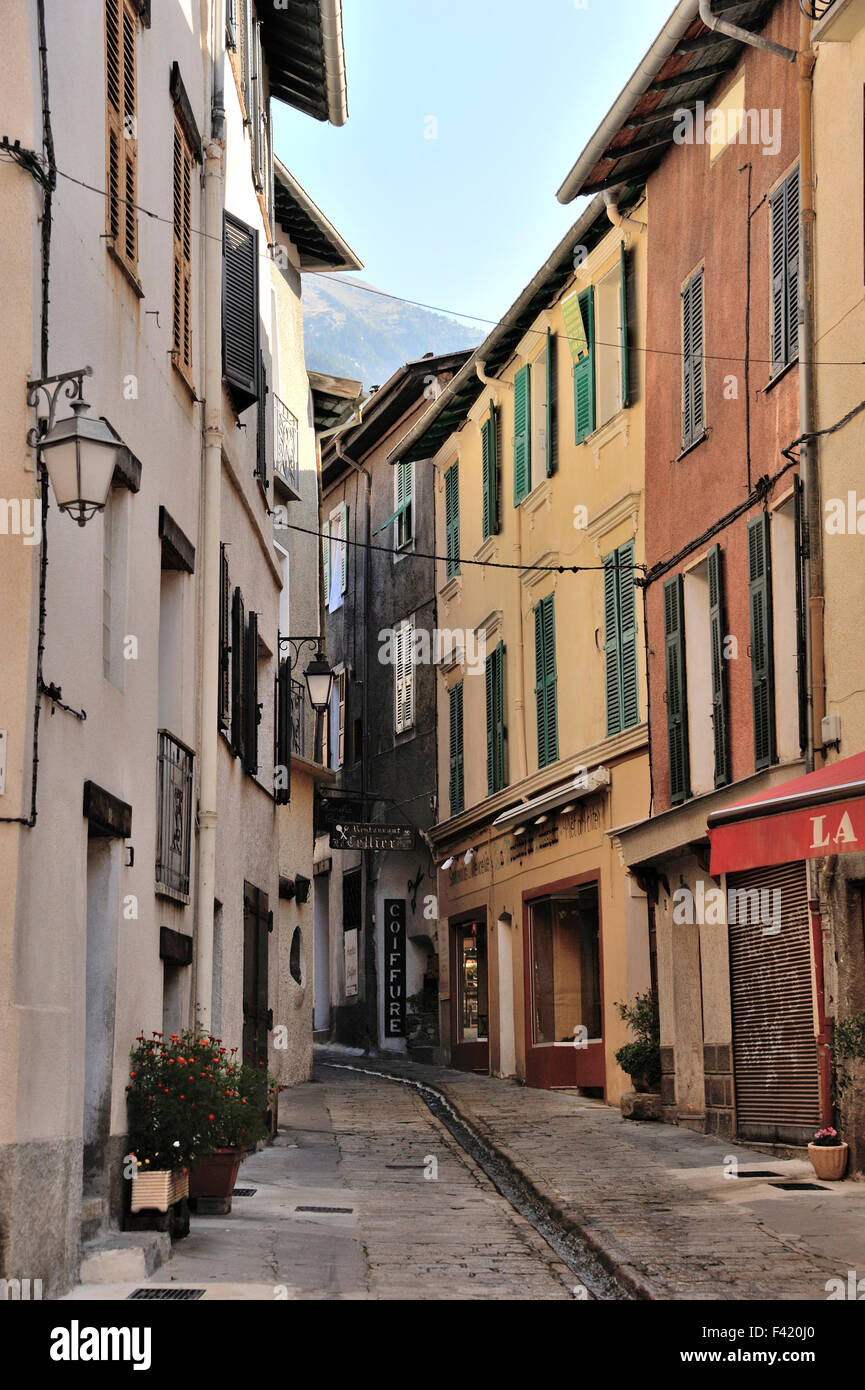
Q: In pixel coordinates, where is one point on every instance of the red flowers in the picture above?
(211, 1117)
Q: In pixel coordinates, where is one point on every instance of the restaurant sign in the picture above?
(371, 835)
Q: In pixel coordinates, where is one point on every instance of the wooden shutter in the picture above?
(693, 404)
(250, 695)
(552, 420)
(238, 684)
(490, 685)
(612, 645)
(121, 27)
(801, 618)
(784, 239)
(342, 682)
(545, 682)
(452, 520)
(325, 560)
(623, 329)
(522, 434)
(500, 730)
(720, 726)
(255, 108)
(256, 1015)
(244, 53)
(774, 1049)
(677, 704)
(762, 653)
(398, 681)
(404, 679)
(284, 739)
(343, 549)
(224, 640)
(490, 472)
(628, 636)
(457, 762)
(261, 425)
(240, 331)
(791, 216)
(404, 523)
(584, 372)
(182, 285)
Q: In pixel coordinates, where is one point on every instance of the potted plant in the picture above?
(167, 1108)
(641, 1059)
(828, 1154)
(237, 1121)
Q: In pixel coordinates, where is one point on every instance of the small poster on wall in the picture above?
(349, 939)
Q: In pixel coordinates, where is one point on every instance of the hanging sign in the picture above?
(394, 967)
(371, 835)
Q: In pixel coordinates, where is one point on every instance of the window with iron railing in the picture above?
(173, 815)
(285, 452)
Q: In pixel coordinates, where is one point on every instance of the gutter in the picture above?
(334, 60)
(734, 31)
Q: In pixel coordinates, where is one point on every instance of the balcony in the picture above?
(286, 463)
(835, 21)
(173, 816)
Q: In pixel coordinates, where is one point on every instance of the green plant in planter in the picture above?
(641, 1059)
(169, 1099)
(240, 1108)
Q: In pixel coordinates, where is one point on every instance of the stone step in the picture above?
(120, 1258)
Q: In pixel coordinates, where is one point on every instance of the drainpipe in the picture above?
(734, 31)
(214, 201)
(618, 219)
(494, 382)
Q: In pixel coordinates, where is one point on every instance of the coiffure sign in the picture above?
(394, 967)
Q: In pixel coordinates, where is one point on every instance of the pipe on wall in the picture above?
(735, 31)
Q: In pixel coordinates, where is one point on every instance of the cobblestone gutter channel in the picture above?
(592, 1264)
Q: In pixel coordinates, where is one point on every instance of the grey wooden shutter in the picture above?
(522, 434)
(238, 653)
(720, 726)
(240, 333)
(284, 731)
(784, 238)
(584, 373)
(552, 421)
(677, 704)
(693, 403)
(762, 654)
(792, 214)
(250, 695)
(224, 640)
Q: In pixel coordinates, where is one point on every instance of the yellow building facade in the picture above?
(542, 736)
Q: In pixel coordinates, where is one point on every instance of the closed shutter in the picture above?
(256, 1015)
(612, 646)
(490, 474)
(545, 682)
(244, 51)
(552, 422)
(693, 405)
(182, 286)
(494, 676)
(256, 108)
(325, 560)
(343, 549)
(238, 686)
(252, 714)
(455, 739)
(240, 333)
(121, 26)
(762, 654)
(801, 639)
(584, 373)
(404, 504)
(620, 647)
(404, 679)
(399, 680)
(261, 425)
(720, 727)
(774, 1048)
(623, 328)
(784, 235)
(792, 215)
(224, 640)
(522, 434)
(677, 706)
(452, 520)
(284, 732)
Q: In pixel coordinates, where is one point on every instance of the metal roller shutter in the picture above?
(774, 1048)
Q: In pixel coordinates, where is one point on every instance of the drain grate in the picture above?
(756, 1173)
(341, 1211)
(404, 1167)
(244, 1191)
(170, 1295)
(800, 1186)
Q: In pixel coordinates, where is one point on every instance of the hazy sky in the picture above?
(463, 221)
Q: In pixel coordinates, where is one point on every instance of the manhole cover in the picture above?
(172, 1295)
(800, 1186)
(756, 1173)
(244, 1191)
(341, 1211)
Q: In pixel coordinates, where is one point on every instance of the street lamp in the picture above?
(79, 454)
(319, 682)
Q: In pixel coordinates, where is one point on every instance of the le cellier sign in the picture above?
(371, 835)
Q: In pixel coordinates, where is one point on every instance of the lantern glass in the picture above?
(80, 455)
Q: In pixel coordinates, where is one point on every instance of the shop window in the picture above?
(473, 996)
(566, 972)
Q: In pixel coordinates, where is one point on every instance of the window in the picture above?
(335, 555)
(677, 705)
(181, 353)
(472, 982)
(121, 28)
(496, 733)
(620, 647)
(404, 502)
(717, 640)
(457, 759)
(566, 966)
(693, 400)
(490, 474)
(545, 682)
(762, 642)
(584, 370)
(404, 678)
(245, 709)
(241, 364)
(452, 520)
(784, 215)
(114, 583)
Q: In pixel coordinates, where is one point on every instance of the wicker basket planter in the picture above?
(159, 1190)
(828, 1160)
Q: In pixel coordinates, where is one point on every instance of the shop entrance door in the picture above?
(564, 1015)
(470, 1006)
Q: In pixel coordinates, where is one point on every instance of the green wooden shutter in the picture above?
(490, 470)
(584, 373)
(552, 422)
(720, 726)
(452, 520)
(801, 637)
(500, 731)
(490, 681)
(693, 403)
(545, 682)
(522, 434)
(762, 656)
(623, 341)
(677, 704)
(457, 764)
(612, 645)
(628, 636)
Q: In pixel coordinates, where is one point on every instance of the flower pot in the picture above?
(214, 1177)
(828, 1160)
(158, 1190)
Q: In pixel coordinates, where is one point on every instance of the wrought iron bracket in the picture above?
(68, 385)
(297, 645)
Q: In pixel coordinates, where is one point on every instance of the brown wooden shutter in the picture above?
(238, 645)
(774, 1047)
(121, 29)
(182, 288)
(224, 640)
(251, 711)
(240, 333)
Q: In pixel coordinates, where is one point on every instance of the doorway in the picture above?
(564, 1010)
(256, 1015)
(470, 998)
(103, 912)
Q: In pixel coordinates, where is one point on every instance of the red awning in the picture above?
(819, 814)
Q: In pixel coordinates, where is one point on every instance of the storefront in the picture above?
(564, 996)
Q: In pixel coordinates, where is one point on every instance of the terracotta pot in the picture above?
(828, 1161)
(216, 1174)
(158, 1190)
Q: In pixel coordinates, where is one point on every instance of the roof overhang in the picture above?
(334, 400)
(305, 53)
(683, 65)
(580, 786)
(809, 817)
(319, 244)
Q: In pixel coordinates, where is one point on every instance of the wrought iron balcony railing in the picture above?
(298, 718)
(286, 464)
(173, 815)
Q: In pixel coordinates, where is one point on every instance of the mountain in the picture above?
(352, 330)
